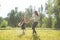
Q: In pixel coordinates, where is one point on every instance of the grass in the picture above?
(16, 34)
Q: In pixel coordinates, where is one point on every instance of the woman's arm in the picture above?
(29, 20)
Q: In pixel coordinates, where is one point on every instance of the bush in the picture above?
(4, 23)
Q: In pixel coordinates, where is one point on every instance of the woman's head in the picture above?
(36, 13)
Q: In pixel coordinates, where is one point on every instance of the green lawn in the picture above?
(16, 34)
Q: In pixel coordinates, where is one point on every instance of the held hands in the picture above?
(25, 20)
(19, 24)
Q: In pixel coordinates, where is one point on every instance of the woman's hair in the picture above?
(36, 13)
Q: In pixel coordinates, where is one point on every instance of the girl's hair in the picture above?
(36, 13)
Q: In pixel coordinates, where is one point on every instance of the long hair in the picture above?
(36, 13)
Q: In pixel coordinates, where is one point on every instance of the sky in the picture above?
(7, 5)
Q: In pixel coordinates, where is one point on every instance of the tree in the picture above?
(14, 17)
(11, 17)
(1, 19)
(4, 23)
(49, 11)
(41, 15)
(29, 12)
(45, 22)
(57, 13)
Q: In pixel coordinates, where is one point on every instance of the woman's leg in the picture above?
(34, 26)
(34, 31)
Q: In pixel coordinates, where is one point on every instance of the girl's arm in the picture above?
(20, 23)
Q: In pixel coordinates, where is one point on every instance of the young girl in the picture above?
(23, 25)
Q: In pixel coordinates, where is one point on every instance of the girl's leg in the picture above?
(23, 28)
(23, 31)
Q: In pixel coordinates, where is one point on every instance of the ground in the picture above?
(16, 34)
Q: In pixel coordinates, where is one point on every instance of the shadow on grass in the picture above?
(35, 37)
(21, 35)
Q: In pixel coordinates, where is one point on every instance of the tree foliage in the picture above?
(4, 23)
(50, 18)
(57, 12)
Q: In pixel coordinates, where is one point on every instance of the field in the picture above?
(42, 34)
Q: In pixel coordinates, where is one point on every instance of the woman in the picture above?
(23, 25)
(35, 21)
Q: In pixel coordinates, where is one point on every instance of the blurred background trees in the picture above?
(49, 18)
(4, 24)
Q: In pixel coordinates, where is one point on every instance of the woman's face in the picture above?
(36, 13)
